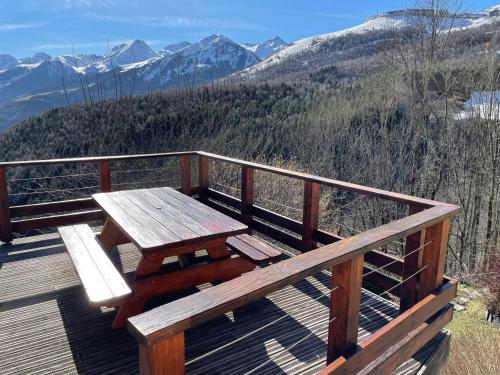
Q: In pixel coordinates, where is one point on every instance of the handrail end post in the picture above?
(166, 357)
(345, 305)
(5, 221)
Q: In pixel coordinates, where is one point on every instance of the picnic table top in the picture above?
(163, 218)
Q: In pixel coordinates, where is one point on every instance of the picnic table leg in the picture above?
(111, 236)
(218, 251)
(146, 266)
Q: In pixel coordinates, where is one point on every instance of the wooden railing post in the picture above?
(5, 223)
(164, 358)
(105, 172)
(186, 174)
(414, 250)
(434, 258)
(247, 178)
(310, 215)
(203, 177)
(344, 308)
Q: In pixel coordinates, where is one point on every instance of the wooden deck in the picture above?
(47, 326)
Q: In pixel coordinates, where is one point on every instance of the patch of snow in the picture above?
(481, 104)
(385, 22)
(302, 45)
(174, 48)
(125, 54)
(265, 49)
(36, 58)
(492, 8)
(137, 65)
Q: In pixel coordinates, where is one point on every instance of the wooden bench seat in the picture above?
(253, 249)
(103, 284)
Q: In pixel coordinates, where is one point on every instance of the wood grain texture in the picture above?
(247, 183)
(435, 257)
(184, 313)
(5, 222)
(252, 248)
(310, 215)
(365, 190)
(52, 207)
(162, 218)
(93, 159)
(203, 176)
(23, 225)
(402, 350)
(165, 358)
(225, 269)
(105, 173)
(111, 236)
(186, 174)
(102, 282)
(44, 311)
(344, 308)
(385, 337)
(412, 263)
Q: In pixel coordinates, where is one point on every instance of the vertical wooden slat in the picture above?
(434, 258)
(247, 179)
(310, 215)
(186, 174)
(5, 223)
(412, 263)
(105, 172)
(164, 358)
(344, 308)
(203, 177)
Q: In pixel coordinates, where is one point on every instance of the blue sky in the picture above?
(29, 26)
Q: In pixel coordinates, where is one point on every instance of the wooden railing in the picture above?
(422, 287)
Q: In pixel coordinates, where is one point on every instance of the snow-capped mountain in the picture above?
(174, 48)
(211, 57)
(265, 49)
(36, 58)
(391, 20)
(127, 53)
(7, 61)
(40, 82)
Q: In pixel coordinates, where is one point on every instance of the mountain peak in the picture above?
(214, 38)
(174, 48)
(7, 61)
(267, 48)
(133, 52)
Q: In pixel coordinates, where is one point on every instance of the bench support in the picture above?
(111, 236)
(145, 267)
(164, 358)
(189, 277)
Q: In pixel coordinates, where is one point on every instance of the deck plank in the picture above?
(44, 312)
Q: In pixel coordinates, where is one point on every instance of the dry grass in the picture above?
(475, 344)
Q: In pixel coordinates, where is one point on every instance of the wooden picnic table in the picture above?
(162, 222)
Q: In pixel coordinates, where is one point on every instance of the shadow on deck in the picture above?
(46, 325)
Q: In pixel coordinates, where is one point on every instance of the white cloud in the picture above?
(68, 4)
(69, 46)
(174, 21)
(18, 26)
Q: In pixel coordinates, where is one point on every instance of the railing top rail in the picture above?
(365, 190)
(167, 320)
(91, 159)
